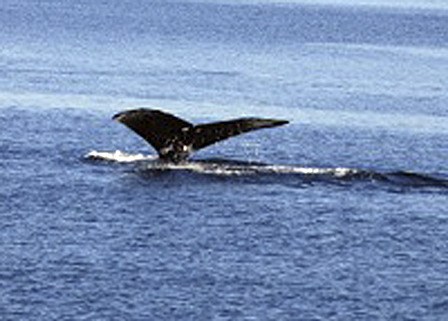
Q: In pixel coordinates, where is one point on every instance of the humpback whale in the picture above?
(175, 139)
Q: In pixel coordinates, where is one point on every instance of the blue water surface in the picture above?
(340, 215)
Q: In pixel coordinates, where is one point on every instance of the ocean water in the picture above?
(340, 215)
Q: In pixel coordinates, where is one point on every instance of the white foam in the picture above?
(245, 170)
(217, 168)
(338, 171)
(118, 156)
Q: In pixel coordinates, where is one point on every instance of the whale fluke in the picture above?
(175, 139)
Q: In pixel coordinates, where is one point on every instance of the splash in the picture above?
(118, 156)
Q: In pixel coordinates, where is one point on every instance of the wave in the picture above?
(232, 168)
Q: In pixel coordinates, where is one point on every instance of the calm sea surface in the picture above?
(340, 215)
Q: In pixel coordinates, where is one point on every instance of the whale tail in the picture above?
(175, 139)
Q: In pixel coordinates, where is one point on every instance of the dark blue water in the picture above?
(340, 215)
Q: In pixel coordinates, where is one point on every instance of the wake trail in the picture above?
(230, 168)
